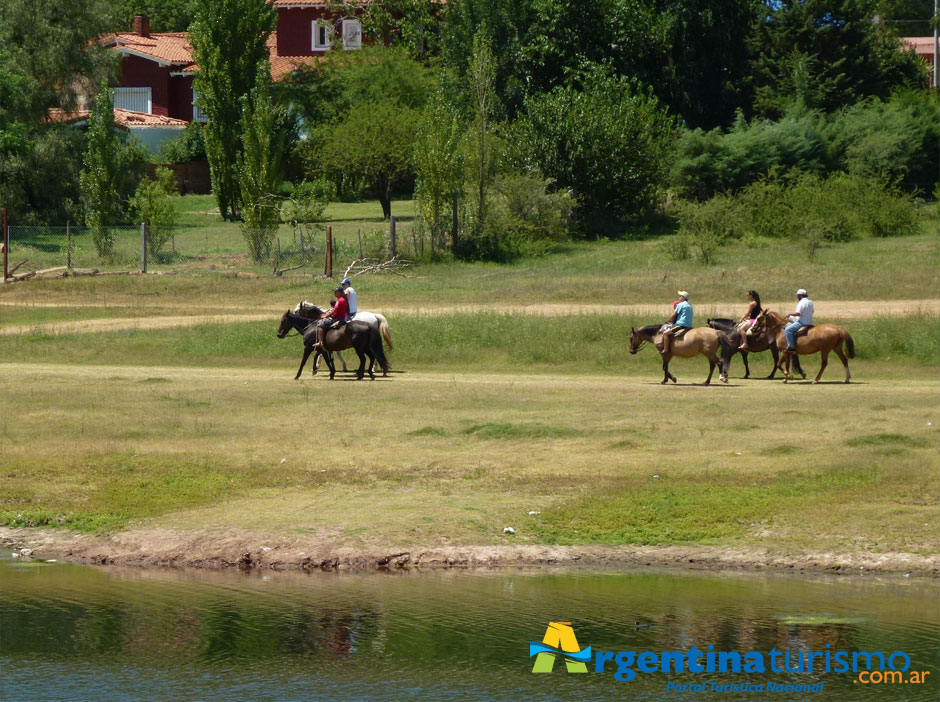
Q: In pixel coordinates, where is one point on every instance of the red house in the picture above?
(157, 69)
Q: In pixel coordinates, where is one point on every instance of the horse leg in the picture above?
(776, 354)
(330, 364)
(711, 370)
(667, 375)
(799, 368)
(845, 362)
(747, 368)
(342, 360)
(317, 357)
(825, 360)
(307, 350)
(785, 362)
(362, 365)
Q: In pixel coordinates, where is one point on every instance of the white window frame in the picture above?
(352, 34)
(315, 44)
(127, 91)
(198, 115)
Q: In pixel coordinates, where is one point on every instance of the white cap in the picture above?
(802, 292)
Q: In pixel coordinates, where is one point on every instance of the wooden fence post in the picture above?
(6, 246)
(453, 224)
(68, 246)
(329, 252)
(143, 247)
(392, 243)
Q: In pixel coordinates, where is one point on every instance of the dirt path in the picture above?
(245, 549)
(847, 309)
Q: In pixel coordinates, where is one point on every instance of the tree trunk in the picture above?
(385, 198)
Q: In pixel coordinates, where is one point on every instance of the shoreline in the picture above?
(162, 548)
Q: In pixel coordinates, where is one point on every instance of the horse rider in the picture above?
(801, 317)
(352, 299)
(747, 321)
(335, 317)
(681, 319)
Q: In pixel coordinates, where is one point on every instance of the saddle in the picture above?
(679, 332)
(803, 330)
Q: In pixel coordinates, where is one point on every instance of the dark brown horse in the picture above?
(731, 342)
(364, 338)
(700, 340)
(820, 339)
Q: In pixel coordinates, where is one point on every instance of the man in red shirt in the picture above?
(334, 317)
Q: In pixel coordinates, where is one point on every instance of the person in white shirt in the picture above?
(801, 317)
(351, 296)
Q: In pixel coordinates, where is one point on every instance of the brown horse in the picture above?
(701, 340)
(820, 339)
(364, 338)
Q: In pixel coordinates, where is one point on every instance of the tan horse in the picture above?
(701, 340)
(820, 339)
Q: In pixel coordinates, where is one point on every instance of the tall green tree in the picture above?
(826, 54)
(438, 165)
(481, 84)
(99, 178)
(607, 140)
(229, 45)
(47, 58)
(259, 167)
(374, 143)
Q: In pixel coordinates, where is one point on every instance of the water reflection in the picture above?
(70, 632)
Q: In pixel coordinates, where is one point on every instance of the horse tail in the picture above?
(383, 327)
(379, 352)
(849, 344)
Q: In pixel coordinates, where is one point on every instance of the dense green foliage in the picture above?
(229, 45)
(608, 142)
(113, 165)
(165, 15)
(46, 61)
(190, 145)
(154, 203)
(806, 208)
(826, 54)
(259, 177)
(892, 140)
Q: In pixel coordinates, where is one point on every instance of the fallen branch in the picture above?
(281, 271)
(16, 267)
(362, 266)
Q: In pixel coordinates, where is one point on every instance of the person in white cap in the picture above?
(351, 297)
(681, 319)
(801, 317)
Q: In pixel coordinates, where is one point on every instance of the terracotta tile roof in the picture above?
(122, 118)
(317, 3)
(283, 66)
(923, 46)
(169, 47)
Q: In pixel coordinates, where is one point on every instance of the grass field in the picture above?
(488, 416)
(601, 459)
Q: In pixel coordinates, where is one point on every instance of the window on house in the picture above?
(135, 99)
(322, 34)
(352, 34)
(198, 115)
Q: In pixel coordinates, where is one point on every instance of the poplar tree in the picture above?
(229, 39)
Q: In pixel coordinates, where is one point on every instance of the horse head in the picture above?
(635, 341)
(308, 310)
(285, 326)
(760, 323)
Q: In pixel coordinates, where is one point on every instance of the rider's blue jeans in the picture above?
(790, 332)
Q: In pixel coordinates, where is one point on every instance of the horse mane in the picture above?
(648, 329)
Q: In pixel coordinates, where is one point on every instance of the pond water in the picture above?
(71, 632)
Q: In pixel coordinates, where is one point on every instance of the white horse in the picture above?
(305, 308)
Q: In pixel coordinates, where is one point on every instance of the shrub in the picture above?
(523, 218)
(704, 227)
(153, 203)
(607, 141)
